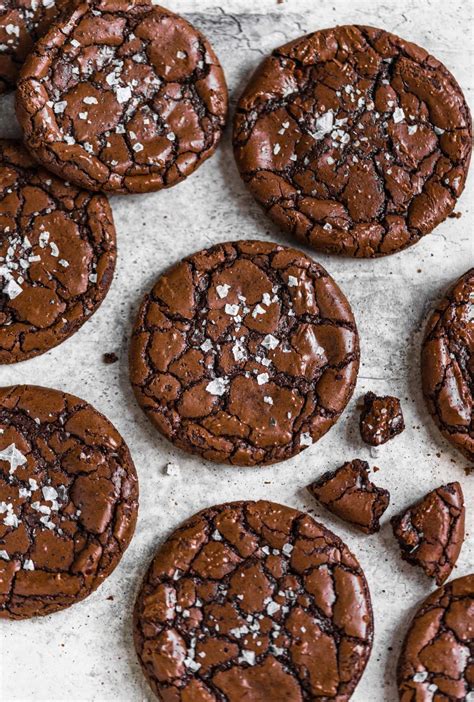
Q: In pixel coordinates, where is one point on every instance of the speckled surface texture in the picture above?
(86, 654)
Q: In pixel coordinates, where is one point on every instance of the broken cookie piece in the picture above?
(349, 494)
(431, 532)
(381, 419)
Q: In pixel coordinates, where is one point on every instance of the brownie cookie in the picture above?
(244, 601)
(122, 96)
(381, 419)
(68, 500)
(354, 140)
(431, 532)
(244, 353)
(447, 365)
(349, 494)
(57, 256)
(437, 660)
(22, 22)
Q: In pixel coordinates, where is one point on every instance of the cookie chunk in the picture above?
(381, 419)
(349, 494)
(436, 659)
(447, 365)
(57, 255)
(431, 532)
(122, 96)
(354, 140)
(68, 500)
(22, 22)
(245, 353)
(244, 601)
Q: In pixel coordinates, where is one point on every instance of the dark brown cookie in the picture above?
(22, 22)
(447, 365)
(381, 419)
(245, 601)
(68, 500)
(123, 96)
(354, 140)
(349, 494)
(245, 353)
(57, 256)
(431, 532)
(436, 662)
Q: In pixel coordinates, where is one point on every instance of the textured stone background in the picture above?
(85, 653)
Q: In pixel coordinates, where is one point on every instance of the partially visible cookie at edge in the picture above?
(349, 494)
(436, 658)
(68, 500)
(58, 252)
(431, 532)
(244, 353)
(244, 601)
(122, 97)
(22, 22)
(447, 365)
(354, 140)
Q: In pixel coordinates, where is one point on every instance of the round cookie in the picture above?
(436, 662)
(68, 500)
(244, 353)
(122, 96)
(254, 601)
(354, 140)
(57, 255)
(447, 365)
(22, 22)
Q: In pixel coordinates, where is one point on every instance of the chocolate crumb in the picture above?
(110, 358)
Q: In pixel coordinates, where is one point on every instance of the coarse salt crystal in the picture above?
(270, 342)
(218, 386)
(398, 115)
(222, 290)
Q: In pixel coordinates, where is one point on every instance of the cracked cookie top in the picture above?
(123, 96)
(244, 353)
(354, 140)
(245, 601)
(431, 532)
(57, 255)
(437, 657)
(22, 22)
(68, 500)
(447, 365)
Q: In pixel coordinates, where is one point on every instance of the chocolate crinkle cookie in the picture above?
(68, 500)
(447, 365)
(253, 601)
(431, 532)
(22, 22)
(123, 96)
(57, 255)
(245, 353)
(350, 495)
(381, 419)
(354, 140)
(437, 659)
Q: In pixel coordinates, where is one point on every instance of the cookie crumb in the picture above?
(110, 358)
